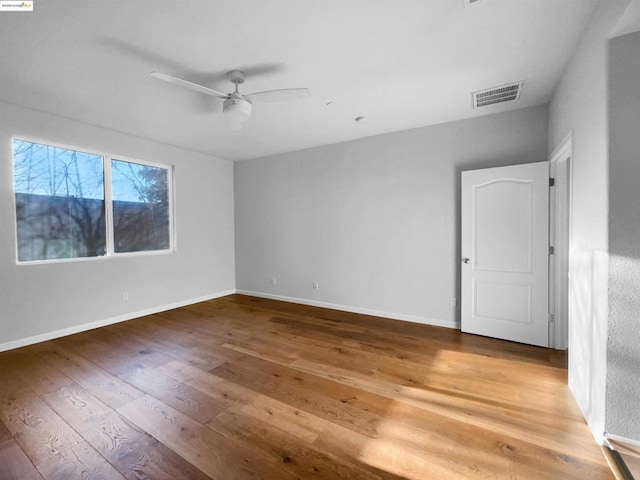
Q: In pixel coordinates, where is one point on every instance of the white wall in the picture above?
(376, 221)
(579, 106)
(36, 300)
(623, 340)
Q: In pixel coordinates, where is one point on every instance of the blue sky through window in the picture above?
(133, 182)
(53, 171)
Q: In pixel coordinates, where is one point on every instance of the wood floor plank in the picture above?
(271, 355)
(81, 462)
(229, 393)
(336, 391)
(40, 376)
(297, 423)
(213, 453)
(109, 388)
(14, 464)
(389, 456)
(111, 349)
(429, 434)
(5, 434)
(172, 341)
(297, 396)
(283, 447)
(184, 398)
(133, 452)
(39, 431)
(138, 370)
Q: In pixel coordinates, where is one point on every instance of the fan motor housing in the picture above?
(238, 106)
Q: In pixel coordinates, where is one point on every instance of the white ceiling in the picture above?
(400, 63)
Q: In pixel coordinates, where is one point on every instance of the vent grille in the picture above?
(491, 96)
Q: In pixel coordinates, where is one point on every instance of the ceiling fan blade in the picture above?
(191, 86)
(282, 95)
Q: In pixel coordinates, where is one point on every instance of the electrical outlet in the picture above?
(274, 281)
(125, 296)
(453, 302)
(316, 286)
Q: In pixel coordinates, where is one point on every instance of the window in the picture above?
(140, 207)
(73, 204)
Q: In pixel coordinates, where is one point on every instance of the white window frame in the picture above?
(107, 157)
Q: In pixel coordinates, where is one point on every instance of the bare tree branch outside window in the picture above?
(140, 207)
(59, 202)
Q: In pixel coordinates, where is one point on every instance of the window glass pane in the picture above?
(59, 202)
(140, 207)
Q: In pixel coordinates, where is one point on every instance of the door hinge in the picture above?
(552, 250)
(552, 182)
(551, 318)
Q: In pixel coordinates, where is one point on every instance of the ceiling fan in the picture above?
(237, 106)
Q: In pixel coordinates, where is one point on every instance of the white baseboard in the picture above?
(365, 311)
(23, 342)
(618, 438)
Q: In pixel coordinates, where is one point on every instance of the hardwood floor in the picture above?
(241, 387)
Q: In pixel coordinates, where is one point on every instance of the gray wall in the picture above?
(36, 300)
(374, 221)
(623, 341)
(579, 108)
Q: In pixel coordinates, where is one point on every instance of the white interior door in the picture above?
(505, 253)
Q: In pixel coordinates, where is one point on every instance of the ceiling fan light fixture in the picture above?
(237, 110)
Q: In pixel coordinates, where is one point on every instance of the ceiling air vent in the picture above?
(490, 96)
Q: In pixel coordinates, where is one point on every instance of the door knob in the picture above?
(465, 260)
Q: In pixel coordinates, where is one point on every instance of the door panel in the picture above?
(505, 236)
(514, 222)
(501, 301)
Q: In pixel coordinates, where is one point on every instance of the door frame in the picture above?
(560, 233)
